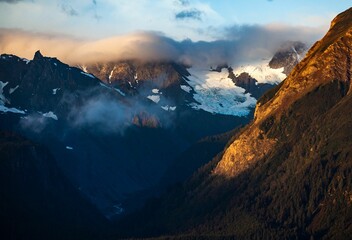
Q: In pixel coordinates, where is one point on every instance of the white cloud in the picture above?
(104, 18)
(240, 44)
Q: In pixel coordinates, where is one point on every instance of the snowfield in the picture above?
(262, 72)
(3, 100)
(216, 93)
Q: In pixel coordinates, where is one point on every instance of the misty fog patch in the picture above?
(107, 114)
(34, 122)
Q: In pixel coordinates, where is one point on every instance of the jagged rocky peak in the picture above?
(131, 74)
(38, 55)
(327, 62)
(39, 84)
(288, 56)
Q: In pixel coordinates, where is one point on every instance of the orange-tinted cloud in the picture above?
(241, 44)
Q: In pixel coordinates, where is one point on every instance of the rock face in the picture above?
(131, 75)
(288, 56)
(40, 84)
(250, 84)
(319, 68)
(287, 175)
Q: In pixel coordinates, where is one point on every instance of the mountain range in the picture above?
(287, 174)
(117, 135)
(133, 149)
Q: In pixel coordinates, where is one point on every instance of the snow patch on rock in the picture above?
(168, 108)
(155, 91)
(186, 88)
(87, 74)
(55, 90)
(12, 110)
(119, 91)
(3, 101)
(26, 60)
(12, 90)
(50, 115)
(154, 98)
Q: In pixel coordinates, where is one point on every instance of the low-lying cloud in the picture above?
(103, 113)
(240, 44)
(34, 122)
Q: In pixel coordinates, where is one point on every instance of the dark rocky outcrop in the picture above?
(288, 56)
(251, 85)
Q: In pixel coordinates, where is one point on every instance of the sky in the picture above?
(141, 23)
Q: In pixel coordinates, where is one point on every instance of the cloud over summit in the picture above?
(239, 44)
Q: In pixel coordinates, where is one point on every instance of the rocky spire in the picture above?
(38, 55)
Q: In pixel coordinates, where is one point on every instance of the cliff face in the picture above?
(327, 62)
(130, 75)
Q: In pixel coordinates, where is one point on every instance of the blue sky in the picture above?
(179, 19)
(293, 12)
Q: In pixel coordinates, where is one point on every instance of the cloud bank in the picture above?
(240, 44)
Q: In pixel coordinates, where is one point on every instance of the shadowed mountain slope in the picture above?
(286, 175)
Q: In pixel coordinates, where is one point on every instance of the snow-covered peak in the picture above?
(262, 72)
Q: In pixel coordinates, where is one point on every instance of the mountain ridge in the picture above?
(299, 81)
